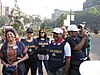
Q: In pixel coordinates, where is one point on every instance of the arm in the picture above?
(4, 63)
(67, 66)
(67, 50)
(82, 43)
(22, 59)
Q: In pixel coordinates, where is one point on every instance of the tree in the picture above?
(4, 20)
(90, 16)
(62, 18)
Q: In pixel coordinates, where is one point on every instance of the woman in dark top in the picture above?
(31, 44)
(43, 42)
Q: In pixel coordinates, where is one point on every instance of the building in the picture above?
(57, 13)
(91, 3)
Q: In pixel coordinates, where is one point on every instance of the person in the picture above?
(43, 42)
(12, 54)
(6, 28)
(59, 54)
(65, 34)
(76, 52)
(86, 48)
(31, 44)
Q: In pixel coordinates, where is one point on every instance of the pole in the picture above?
(70, 16)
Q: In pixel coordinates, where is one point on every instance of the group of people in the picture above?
(60, 56)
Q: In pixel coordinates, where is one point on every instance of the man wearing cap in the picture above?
(76, 52)
(85, 48)
(31, 44)
(59, 54)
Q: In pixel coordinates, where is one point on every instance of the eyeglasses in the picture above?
(9, 35)
(29, 32)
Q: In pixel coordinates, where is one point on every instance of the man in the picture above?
(85, 48)
(59, 54)
(65, 34)
(76, 52)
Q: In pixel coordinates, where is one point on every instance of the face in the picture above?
(10, 36)
(57, 36)
(42, 33)
(64, 29)
(73, 34)
(29, 34)
(81, 29)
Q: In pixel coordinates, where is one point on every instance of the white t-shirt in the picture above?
(67, 50)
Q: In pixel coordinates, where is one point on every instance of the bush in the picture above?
(96, 31)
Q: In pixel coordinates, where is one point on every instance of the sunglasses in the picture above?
(42, 32)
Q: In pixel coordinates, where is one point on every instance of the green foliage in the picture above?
(94, 11)
(4, 19)
(16, 26)
(22, 32)
(90, 16)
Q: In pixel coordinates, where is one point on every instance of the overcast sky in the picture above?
(45, 8)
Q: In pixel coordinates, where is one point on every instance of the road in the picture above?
(94, 54)
(95, 48)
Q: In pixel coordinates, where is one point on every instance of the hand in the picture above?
(15, 63)
(85, 35)
(7, 65)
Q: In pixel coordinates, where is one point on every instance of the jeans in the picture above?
(31, 64)
(40, 66)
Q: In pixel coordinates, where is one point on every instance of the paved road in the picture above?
(95, 50)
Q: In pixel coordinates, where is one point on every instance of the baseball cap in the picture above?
(73, 28)
(29, 30)
(58, 30)
(81, 26)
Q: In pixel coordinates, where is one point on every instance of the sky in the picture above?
(44, 8)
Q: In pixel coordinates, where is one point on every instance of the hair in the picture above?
(45, 36)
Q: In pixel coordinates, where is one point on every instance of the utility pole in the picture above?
(70, 15)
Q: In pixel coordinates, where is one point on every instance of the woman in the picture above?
(13, 53)
(43, 42)
(31, 44)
